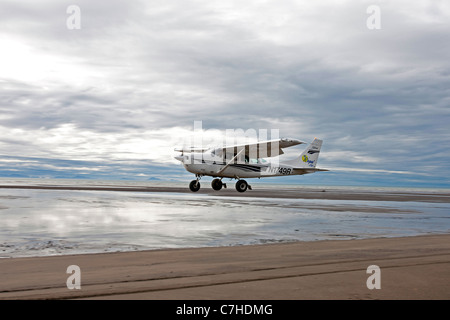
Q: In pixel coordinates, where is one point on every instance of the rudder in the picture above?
(308, 158)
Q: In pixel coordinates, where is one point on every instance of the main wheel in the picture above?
(194, 185)
(241, 185)
(216, 184)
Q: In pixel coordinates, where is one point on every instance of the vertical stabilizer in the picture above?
(308, 158)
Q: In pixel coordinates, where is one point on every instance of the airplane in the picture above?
(247, 161)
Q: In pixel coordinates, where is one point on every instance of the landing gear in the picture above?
(194, 185)
(216, 184)
(242, 186)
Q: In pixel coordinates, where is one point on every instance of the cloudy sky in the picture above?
(112, 99)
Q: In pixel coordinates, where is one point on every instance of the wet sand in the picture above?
(262, 192)
(411, 268)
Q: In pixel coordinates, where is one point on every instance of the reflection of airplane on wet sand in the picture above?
(247, 161)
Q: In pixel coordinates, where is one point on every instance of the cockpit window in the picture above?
(256, 161)
(217, 152)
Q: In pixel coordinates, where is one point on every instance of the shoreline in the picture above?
(413, 267)
(285, 192)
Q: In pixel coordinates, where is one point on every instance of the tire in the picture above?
(241, 186)
(194, 185)
(216, 184)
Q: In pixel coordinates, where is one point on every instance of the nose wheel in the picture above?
(194, 185)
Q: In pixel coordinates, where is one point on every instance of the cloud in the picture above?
(135, 77)
(359, 170)
(71, 143)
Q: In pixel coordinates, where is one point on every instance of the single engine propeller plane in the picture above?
(247, 161)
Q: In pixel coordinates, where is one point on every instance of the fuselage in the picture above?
(209, 164)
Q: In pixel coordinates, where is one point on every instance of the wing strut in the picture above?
(230, 162)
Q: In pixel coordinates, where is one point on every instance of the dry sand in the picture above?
(411, 268)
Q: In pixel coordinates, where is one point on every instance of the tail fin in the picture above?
(308, 158)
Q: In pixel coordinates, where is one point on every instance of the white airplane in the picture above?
(247, 161)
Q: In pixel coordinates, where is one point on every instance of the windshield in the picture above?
(217, 152)
(259, 160)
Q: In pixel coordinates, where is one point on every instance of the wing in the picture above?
(262, 149)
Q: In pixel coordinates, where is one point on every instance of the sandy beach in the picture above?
(410, 268)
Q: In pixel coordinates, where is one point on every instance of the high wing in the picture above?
(262, 149)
